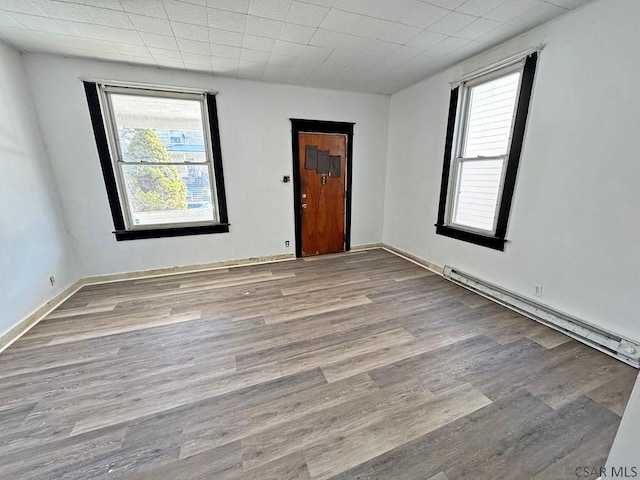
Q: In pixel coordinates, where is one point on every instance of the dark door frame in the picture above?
(299, 125)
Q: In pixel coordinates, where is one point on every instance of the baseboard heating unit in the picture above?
(607, 342)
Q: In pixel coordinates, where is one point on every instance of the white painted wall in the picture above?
(575, 221)
(256, 149)
(33, 241)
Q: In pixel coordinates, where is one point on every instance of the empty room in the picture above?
(319, 239)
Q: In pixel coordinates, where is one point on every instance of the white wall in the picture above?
(256, 149)
(575, 221)
(33, 241)
(624, 451)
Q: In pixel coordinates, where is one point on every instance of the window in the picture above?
(161, 159)
(487, 118)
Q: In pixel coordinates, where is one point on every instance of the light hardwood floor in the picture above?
(358, 365)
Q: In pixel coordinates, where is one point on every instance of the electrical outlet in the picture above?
(286, 243)
(52, 280)
(537, 290)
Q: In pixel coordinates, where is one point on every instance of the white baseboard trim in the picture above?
(34, 317)
(366, 246)
(435, 268)
(37, 315)
(203, 267)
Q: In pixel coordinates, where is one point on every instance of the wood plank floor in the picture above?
(358, 365)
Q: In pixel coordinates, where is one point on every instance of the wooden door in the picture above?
(322, 192)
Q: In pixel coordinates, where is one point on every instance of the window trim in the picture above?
(497, 239)
(100, 119)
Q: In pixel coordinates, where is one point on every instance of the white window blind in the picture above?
(480, 164)
(490, 117)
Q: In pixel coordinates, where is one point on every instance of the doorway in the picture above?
(322, 186)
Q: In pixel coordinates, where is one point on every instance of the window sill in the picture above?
(170, 232)
(496, 243)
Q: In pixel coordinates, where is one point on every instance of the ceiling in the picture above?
(376, 46)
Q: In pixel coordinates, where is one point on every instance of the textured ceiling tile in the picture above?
(296, 33)
(341, 58)
(273, 9)
(424, 15)
(406, 52)
(449, 4)
(238, 6)
(151, 24)
(86, 14)
(373, 27)
(196, 59)
(192, 46)
(326, 38)
(21, 6)
(322, 3)
(359, 44)
(537, 15)
(110, 4)
(150, 8)
(339, 21)
(32, 22)
(258, 43)
(478, 7)
(355, 43)
(382, 48)
(225, 51)
(249, 69)
(224, 37)
(133, 50)
(263, 27)
(568, 3)
(426, 39)
(101, 32)
(498, 35)
(448, 45)
(162, 54)
(190, 32)
(511, 9)
(452, 23)
(227, 65)
(365, 61)
(477, 28)
(399, 33)
(282, 60)
(254, 55)
(288, 48)
(274, 73)
(159, 41)
(195, 2)
(186, 12)
(313, 55)
(389, 10)
(305, 14)
(226, 20)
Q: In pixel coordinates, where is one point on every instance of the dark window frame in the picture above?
(121, 233)
(496, 241)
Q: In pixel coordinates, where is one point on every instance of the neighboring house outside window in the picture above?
(161, 158)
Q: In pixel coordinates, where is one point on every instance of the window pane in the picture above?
(477, 193)
(168, 194)
(157, 129)
(490, 116)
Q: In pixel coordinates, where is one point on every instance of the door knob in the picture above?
(304, 195)
(304, 205)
